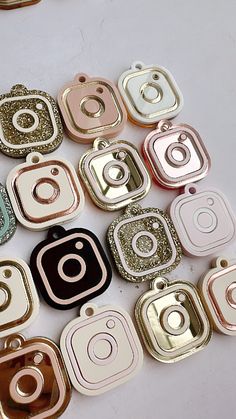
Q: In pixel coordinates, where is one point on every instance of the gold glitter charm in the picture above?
(172, 320)
(144, 243)
(29, 121)
(14, 4)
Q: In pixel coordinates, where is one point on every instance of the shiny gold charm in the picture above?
(143, 243)
(172, 320)
(29, 121)
(33, 379)
(114, 174)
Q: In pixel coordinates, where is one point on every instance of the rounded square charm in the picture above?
(29, 121)
(143, 243)
(203, 219)
(101, 349)
(218, 292)
(176, 155)
(70, 267)
(114, 174)
(150, 94)
(44, 192)
(13, 4)
(33, 379)
(7, 217)
(19, 303)
(172, 320)
(91, 107)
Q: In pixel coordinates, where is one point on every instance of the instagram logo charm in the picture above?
(176, 155)
(203, 219)
(172, 320)
(143, 243)
(91, 107)
(33, 379)
(101, 349)
(150, 94)
(70, 267)
(218, 292)
(114, 174)
(7, 217)
(44, 192)
(29, 121)
(19, 303)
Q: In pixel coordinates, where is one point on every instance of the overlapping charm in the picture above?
(29, 121)
(150, 94)
(70, 267)
(91, 107)
(33, 379)
(101, 349)
(172, 320)
(176, 155)
(19, 303)
(7, 217)
(44, 192)
(218, 292)
(114, 174)
(143, 243)
(203, 219)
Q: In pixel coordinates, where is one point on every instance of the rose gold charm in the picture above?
(44, 192)
(33, 379)
(91, 107)
(176, 155)
(218, 291)
(13, 4)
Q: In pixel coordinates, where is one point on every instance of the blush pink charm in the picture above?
(203, 219)
(176, 155)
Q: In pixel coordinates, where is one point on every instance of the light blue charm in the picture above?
(7, 217)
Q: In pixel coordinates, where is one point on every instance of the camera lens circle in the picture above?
(205, 220)
(102, 349)
(144, 244)
(175, 320)
(178, 154)
(71, 258)
(16, 388)
(116, 173)
(25, 115)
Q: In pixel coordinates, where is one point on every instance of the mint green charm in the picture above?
(7, 217)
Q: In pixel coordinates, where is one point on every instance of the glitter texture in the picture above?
(6, 231)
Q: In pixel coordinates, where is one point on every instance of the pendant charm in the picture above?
(29, 121)
(7, 217)
(13, 4)
(33, 379)
(150, 94)
(143, 243)
(176, 155)
(70, 267)
(44, 192)
(19, 302)
(204, 220)
(101, 349)
(172, 320)
(91, 107)
(114, 174)
(218, 292)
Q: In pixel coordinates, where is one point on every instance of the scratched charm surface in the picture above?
(176, 155)
(114, 174)
(91, 107)
(150, 94)
(19, 303)
(172, 320)
(33, 379)
(29, 121)
(143, 243)
(218, 292)
(101, 349)
(44, 192)
(7, 217)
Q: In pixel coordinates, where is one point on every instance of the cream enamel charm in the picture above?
(101, 349)
(44, 192)
(29, 121)
(150, 94)
(172, 320)
(7, 217)
(114, 174)
(143, 243)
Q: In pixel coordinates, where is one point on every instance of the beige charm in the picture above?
(44, 192)
(19, 302)
(172, 320)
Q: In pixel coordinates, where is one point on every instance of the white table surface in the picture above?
(44, 46)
